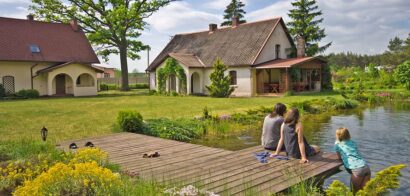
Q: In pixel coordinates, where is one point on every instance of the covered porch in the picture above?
(280, 76)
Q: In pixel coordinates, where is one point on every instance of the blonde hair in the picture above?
(342, 134)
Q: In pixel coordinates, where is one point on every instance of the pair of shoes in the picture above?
(74, 145)
(150, 155)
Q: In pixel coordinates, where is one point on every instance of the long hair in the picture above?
(292, 116)
(279, 109)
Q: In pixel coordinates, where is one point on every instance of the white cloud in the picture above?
(15, 1)
(362, 26)
(180, 17)
(220, 4)
(279, 8)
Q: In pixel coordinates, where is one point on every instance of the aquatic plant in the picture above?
(179, 129)
(385, 180)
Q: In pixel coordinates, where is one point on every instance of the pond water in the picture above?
(382, 134)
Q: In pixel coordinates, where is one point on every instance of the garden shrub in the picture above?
(106, 87)
(103, 87)
(288, 93)
(402, 74)
(139, 86)
(205, 113)
(74, 179)
(90, 155)
(2, 91)
(28, 93)
(152, 92)
(130, 121)
(15, 173)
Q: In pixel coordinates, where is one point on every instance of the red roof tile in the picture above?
(285, 63)
(57, 42)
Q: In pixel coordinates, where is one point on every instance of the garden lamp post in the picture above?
(44, 132)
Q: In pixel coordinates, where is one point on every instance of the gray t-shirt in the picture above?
(271, 131)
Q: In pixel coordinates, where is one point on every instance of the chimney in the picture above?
(30, 17)
(74, 25)
(212, 28)
(300, 46)
(235, 21)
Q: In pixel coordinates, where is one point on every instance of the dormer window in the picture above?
(34, 48)
(277, 51)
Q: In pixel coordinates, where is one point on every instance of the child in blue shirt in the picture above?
(347, 151)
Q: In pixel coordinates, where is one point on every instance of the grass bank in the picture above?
(72, 118)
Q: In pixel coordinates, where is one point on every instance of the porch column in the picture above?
(287, 80)
(50, 84)
(188, 83)
(177, 82)
(254, 82)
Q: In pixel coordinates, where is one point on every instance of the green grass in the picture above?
(72, 118)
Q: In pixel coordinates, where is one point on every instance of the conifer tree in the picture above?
(395, 44)
(220, 84)
(304, 22)
(234, 9)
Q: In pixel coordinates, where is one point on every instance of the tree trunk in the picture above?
(124, 69)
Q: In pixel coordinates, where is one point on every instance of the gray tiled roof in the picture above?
(189, 60)
(237, 46)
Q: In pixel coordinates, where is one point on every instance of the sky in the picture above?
(360, 26)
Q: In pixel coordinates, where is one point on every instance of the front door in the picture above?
(60, 84)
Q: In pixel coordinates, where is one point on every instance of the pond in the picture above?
(382, 134)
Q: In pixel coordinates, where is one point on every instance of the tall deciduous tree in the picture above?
(112, 25)
(220, 83)
(304, 22)
(234, 9)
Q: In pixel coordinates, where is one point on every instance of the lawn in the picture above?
(72, 118)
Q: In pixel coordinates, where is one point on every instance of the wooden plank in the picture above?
(176, 158)
(275, 177)
(215, 167)
(218, 170)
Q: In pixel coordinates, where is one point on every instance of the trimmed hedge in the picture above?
(2, 91)
(106, 87)
(28, 93)
(130, 121)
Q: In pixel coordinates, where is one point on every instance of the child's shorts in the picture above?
(360, 172)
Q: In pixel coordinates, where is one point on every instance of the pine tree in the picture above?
(305, 24)
(395, 44)
(220, 84)
(234, 9)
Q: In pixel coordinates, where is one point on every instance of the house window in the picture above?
(277, 51)
(85, 80)
(232, 74)
(8, 84)
(106, 75)
(34, 48)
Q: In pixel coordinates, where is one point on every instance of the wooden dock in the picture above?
(221, 171)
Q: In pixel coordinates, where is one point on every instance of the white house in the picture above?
(53, 58)
(256, 53)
